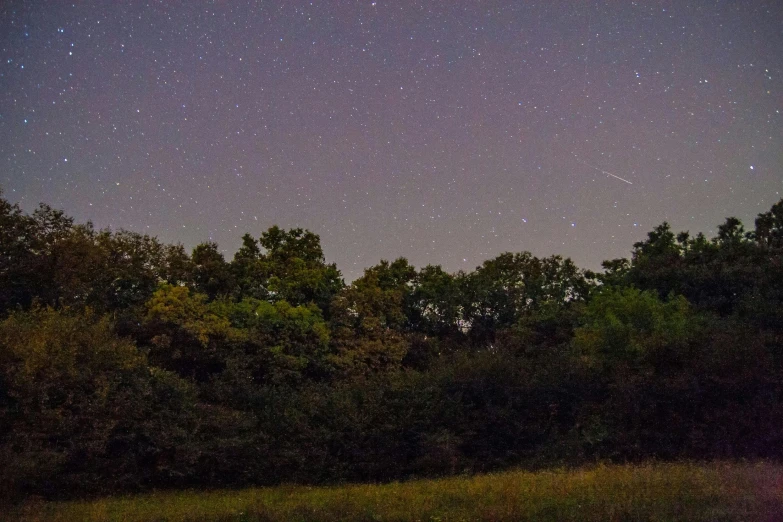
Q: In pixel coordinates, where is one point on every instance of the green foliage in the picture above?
(46, 258)
(185, 335)
(736, 273)
(769, 227)
(435, 307)
(283, 344)
(177, 306)
(267, 368)
(211, 274)
(629, 326)
(367, 319)
(292, 269)
(73, 393)
(504, 289)
(130, 270)
(652, 363)
(25, 252)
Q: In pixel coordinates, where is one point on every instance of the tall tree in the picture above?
(81, 410)
(211, 273)
(292, 268)
(503, 289)
(368, 319)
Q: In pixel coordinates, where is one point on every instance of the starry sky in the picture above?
(443, 131)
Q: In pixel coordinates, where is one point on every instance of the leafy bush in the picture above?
(80, 406)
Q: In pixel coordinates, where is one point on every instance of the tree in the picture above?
(211, 274)
(133, 266)
(769, 227)
(296, 268)
(735, 272)
(633, 346)
(25, 246)
(70, 392)
(46, 257)
(627, 326)
(503, 289)
(368, 318)
(281, 345)
(435, 303)
(434, 316)
(186, 335)
(249, 270)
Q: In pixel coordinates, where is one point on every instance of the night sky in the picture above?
(446, 132)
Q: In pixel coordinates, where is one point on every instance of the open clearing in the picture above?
(679, 491)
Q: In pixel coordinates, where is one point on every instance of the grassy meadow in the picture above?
(670, 491)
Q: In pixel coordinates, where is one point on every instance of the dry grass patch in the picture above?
(661, 492)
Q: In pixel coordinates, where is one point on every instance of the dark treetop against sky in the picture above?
(443, 131)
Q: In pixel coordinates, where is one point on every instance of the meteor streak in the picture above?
(601, 170)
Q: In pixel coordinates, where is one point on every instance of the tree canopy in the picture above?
(129, 363)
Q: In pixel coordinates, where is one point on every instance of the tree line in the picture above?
(127, 363)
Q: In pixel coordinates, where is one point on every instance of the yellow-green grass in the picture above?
(671, 491)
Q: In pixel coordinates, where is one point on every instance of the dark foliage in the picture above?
(126, 363)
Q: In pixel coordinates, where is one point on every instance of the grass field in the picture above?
(714, 492)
